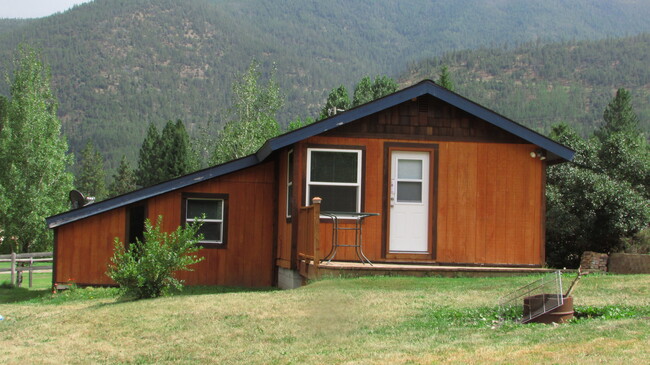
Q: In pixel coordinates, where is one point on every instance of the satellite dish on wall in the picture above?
(77, 199)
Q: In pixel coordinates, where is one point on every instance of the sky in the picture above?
(34, 8)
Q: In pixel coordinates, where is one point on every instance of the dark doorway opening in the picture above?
(135, 216)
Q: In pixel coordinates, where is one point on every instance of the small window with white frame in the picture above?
(335, 176)
(212, 210)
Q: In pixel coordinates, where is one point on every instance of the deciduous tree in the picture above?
(253, 116)
(34, 180)
(601, 198)
(363, 92)
(382, 86)
(338, 100)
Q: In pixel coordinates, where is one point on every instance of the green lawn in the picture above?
(41, 280)
(385, 320)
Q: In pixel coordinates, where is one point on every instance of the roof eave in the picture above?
(148, 192)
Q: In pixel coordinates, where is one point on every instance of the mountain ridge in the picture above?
(118, 65)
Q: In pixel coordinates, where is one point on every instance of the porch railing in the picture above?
(308, 244)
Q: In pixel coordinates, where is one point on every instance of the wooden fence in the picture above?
(25, 262)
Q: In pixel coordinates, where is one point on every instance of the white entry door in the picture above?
(409, 202)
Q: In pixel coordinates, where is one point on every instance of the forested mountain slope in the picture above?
(540, 84)
(119, 64)
(7, 25)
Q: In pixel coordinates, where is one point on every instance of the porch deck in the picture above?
(309, 251)
(357, 269)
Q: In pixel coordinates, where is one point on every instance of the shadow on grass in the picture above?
(45, 296)
(187, 291)
(16, 295)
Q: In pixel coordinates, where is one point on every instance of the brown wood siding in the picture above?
(284, 224)
(488, 205)
(426, 118)
(84, 247)
(248, 258)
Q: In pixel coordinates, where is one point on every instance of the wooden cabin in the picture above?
(447, 181)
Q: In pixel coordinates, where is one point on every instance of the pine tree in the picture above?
(174, 151)
(124, 180)
(624, 152)
(149, 171)
(34, 182)
(445, 79)
(3, 110)
(619, 116)
(91, 179)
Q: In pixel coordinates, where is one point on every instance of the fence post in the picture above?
(13, 268)
(316, 203)
(31, 270)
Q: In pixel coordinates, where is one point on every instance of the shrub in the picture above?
(639, 243)
(146, 269)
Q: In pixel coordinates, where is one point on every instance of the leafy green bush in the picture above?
(146, 269)
(639, 243)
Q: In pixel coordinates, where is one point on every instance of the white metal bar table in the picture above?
(358, 233)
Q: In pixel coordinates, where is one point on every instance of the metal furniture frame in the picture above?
(358, 233)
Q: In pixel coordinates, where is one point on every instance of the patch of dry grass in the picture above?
(351, 321)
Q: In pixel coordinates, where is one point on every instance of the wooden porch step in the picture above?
(387, 269)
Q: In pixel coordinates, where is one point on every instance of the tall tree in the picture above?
(382, 86)
(619, 116)
(124, 180)
(174, 152)
(34, 178)
(148, 172)
(3, 110)
(624, 151)
(363, 92)
(366, 90)
(602, 197)
(338, 100)
(91, 178)
(253, 116)
(445, 79)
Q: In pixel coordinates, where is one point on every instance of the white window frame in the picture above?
(206, 220)
(357, 184)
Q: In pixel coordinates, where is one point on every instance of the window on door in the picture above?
(409, 181)
(335, 176)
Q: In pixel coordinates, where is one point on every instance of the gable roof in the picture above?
(555, 151)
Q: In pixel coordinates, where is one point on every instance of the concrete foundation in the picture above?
(288, 279)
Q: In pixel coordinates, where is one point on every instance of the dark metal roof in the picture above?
(151, 191)
(555, 151)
